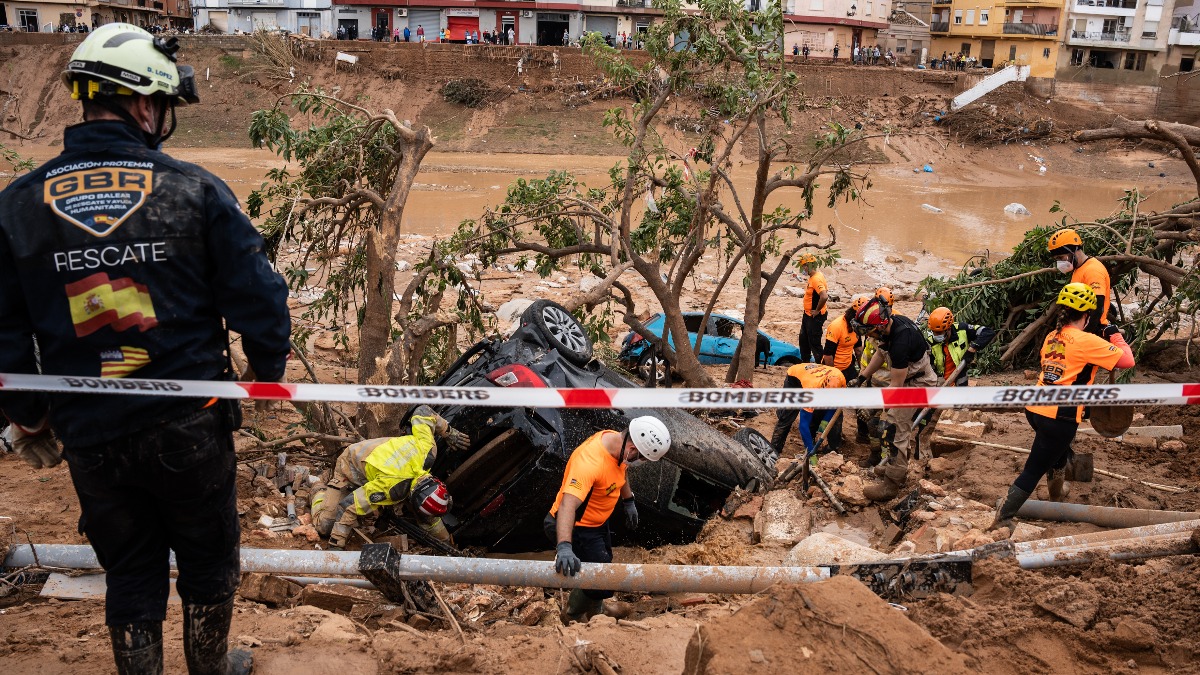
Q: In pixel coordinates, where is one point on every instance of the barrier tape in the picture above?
(538, 397)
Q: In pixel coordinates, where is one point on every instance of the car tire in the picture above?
(561, 329)
(757, 444)
(787, 362)
(661, 371)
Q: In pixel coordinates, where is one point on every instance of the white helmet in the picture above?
(650, 437)
(119, 58)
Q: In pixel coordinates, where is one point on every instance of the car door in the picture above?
(720, 345)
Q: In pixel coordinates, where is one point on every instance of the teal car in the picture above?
(717, 346)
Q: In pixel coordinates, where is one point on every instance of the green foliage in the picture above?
(471, 92)
(17, 165)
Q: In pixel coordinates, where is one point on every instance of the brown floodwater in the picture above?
(892, 220)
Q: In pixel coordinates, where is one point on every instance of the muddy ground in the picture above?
(1098, 618)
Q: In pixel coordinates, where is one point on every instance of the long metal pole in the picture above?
(1125, 549)
(1104, 516)
(536, 573)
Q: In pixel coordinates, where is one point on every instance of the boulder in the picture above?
(930, 488)
(1026, 532)
(830, 462)
(1133, 635)
(267, 589)
(784, 518)
(850, 491)
(822, 548)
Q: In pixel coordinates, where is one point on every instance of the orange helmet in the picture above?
(874, 313)
(857, 302)
(807, 259)
(885, 294)
(940, 320)
(1061, 238)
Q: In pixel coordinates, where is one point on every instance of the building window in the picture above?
(966, 49)
(818, 5)
(1012, 53)
(1150, 29)
(1186, 64)
(1077, 57)
(1046, 53)
(28, 19)
(957, 17)
(868, 9)
(970, 17)
(901, 46)
(983, 17)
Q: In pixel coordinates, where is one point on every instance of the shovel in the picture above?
(1111, 421)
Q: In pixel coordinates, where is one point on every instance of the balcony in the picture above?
(1078, 36)
(1043, 29)
(1186, 37)
(257, 3)
(941, 2)
(1104, 7)
(939, 27)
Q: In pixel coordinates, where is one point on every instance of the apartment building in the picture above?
(1183, 40)
(823, 24)
(995, 32)
(47, 16)
(1116, 41)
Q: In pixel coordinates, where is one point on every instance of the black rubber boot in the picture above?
(580, 607)
(205, 636)
(1006, 510)
(137, 648)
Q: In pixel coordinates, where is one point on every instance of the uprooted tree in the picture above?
(342, 214)
(1151, 258)
(660, 214)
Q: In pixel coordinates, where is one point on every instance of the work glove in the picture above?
(1108, 331)
(262, 405)
(36, 446)
(855, 381)
(457, 440)
(566, 562)
(969, 356)
(629, 506)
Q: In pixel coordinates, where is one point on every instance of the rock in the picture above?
(1030, 375)
(930, 488)
(1175, 446)
(894, 259)
(553, 284)
(589, 283)
(1026, 532)
(511, 311)
(923, 516)
(338, 597)
(307, 531)
(531, 614)
(1017, 209)
(940, 467)
(850, 491)
(906, 548)
(973, 538)
(267, 589)
(1133, 635)
(750, 508)
(602, 620)
(693, 600)
(756, 656)
(463, 267)
(967, 430)
(419, 622)
(1139, 442)
(403, 266)
(794, 291)
(1072, 601)
(784, 519)
(830, 462)
(821, 548)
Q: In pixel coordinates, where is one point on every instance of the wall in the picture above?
(1133, 101)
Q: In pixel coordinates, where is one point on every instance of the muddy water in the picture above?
(892, 221)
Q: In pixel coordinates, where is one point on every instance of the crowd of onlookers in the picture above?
(956, 61)
(859, 55)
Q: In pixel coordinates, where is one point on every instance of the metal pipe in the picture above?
(325, 581)
(1124, 549)
(535, 573)
(1091, 538)
(1104, 516)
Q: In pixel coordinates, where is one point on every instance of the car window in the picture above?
(692, 321)
(729, 329)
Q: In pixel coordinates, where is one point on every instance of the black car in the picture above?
(504, 485)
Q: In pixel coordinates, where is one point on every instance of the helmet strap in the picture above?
(153, 139)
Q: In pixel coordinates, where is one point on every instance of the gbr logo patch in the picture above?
(98, 200)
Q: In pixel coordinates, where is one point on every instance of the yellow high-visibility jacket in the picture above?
(380, 464)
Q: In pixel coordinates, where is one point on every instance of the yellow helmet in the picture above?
(940, 320)
(1062, 238)
(1078, 296)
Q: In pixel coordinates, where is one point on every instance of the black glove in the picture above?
(566, 562)
(968, 357)
(855, 381)
(1108, 331)
(631, 514)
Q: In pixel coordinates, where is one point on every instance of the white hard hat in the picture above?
(650, 437)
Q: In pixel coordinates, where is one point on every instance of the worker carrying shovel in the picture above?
(387, 471)
(904, 347)
(593, 486)
(812, 422)
(1070, 356)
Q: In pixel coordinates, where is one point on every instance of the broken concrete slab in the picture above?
(337, 597)
(784, 518)
(850, 491)
(1167, 431)
(267, 589)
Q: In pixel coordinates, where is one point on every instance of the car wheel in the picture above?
(654, 369)
(561, 330)
(758, 444)
(787, 362)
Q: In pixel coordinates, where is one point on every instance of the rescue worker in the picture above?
(952, 343)
(1066, 248)
(1069, 356)
(812, 324)
(904, 347)
(592, 487)
(812, 422)
(842, 346)
(870, 422)
(388, 471)
(123, 261)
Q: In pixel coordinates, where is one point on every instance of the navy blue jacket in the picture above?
(125, 262)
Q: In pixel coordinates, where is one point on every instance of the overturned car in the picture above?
(506, 482)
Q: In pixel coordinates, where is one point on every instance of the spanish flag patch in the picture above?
(97, 301)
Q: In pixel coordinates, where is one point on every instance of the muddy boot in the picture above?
(1008, 507)
(1056, 482)
(580, 607)
(874, 458)
(205, 635)
(617, 609)
(137, 648)
(894, 476)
